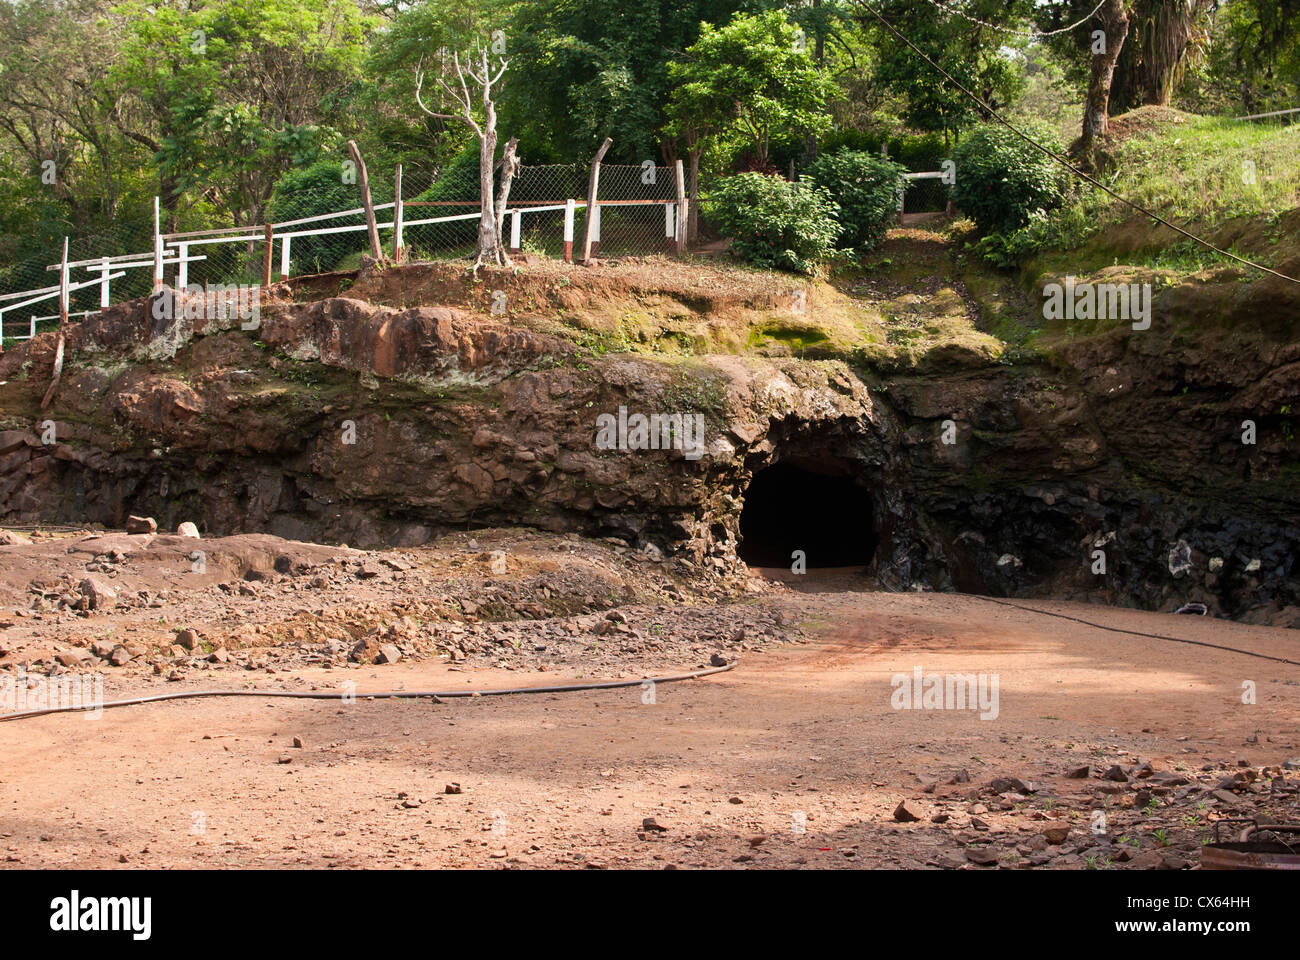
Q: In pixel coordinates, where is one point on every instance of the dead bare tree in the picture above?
(509, 166)
(490, 247)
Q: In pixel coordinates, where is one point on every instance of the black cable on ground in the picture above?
(381, 695)
(1137, 633)
(1061, 160)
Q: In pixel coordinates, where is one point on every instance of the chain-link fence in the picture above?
(926, 193)
(318, 225)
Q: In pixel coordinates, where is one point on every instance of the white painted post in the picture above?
(64, 283)
(516, 229)
(183, 266)
(31, 331)
(568, 230)
(157, 246)
(104, 270)
(284, 257)
(398, 217)
(595, 230)
(670, 221)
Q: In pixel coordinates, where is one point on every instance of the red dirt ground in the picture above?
(794, 758)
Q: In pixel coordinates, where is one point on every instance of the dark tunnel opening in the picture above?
(790, 507)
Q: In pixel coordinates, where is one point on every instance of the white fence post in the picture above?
(183, 266)
(157, 246)
(516, 229)
(64, 293)
(104, 270)
(399, 214)
(595, 230)
(568, 230)
(670, 221)
(284, 257)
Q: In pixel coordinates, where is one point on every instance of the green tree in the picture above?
(598, 68)
(978, 56)
(750, 80)
(251, 88)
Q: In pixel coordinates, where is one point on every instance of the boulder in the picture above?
(98, 594)
(136, 524)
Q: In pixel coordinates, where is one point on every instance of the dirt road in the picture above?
(797, 757)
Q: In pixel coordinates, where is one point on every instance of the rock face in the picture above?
(340, 420)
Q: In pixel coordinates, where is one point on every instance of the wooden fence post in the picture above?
(680, 176)
(593, 183)
(399, 250)
(63, 323)
(375, 250)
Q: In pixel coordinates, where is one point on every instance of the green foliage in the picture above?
(1191, 171)
(1002, 180)
(309, 192)
(864, 188)
(1007, 250)
(241, 91)
(596, 68)
(976, 57)
(915, 151)
(775, 223)
(457, 180)
(750, 80)
(394, 132)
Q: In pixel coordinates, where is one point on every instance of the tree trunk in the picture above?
(509, 167)
(693, 209)
(1096, 109)
(487, 221)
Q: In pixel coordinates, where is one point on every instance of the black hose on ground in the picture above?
(381, 695)
(1136, 633)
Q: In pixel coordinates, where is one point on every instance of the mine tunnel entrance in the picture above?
(808, 506)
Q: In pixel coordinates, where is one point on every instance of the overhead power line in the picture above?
(1028, 34)
(1063, 161)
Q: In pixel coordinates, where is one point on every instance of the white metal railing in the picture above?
(62, 291)
(173, 249)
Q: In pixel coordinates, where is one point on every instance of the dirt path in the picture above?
(799, 746)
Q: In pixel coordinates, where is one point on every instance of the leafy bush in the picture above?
(1062, 229)
(865, 189)
(916, 152)
(458, 180)
(1002, 180)
(775, 223)
(310, 192)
